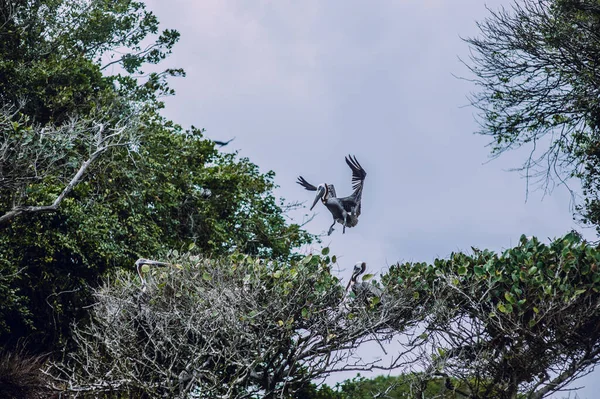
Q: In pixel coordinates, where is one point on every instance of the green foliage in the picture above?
(175, 191)
(168, 189)
(528, 309)
(393, 387)
(52, 51)
(516, 282)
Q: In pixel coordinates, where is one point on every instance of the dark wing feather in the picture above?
(358, 175)
(223, 143)
(306, 184)
(349, 202)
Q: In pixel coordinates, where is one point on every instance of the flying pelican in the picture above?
(362, 289)
(344, 210)
(223, 143)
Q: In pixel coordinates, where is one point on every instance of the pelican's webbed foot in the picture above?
(331, 229)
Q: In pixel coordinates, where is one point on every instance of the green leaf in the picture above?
(206, 276)
(522, 276)
(306, 260)
(305, 313)
(191, 246)
(532, 323)
(333, 259)
(505, 307)
(277, 274)
(462, 270)
(367, 277)
(145, 268)
(325, 251)
(479, 270)
(579, 292)
(509, 297)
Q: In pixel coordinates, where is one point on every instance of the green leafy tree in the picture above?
(94, 200)
(54, 52)
(396, 387)
(524, 322)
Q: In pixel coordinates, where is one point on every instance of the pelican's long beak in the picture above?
(320, 192)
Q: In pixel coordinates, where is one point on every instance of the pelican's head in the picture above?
(359, 269)
(321, 193)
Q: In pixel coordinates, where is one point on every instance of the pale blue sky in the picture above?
(302, 84)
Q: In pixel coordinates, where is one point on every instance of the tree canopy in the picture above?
(522, 323)
(236, 327)
(93, 177)
(536, 67)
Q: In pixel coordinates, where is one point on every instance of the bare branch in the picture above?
(32, 155)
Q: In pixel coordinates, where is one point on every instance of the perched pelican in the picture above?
(362, 289)
(140, 262)
(344, 210)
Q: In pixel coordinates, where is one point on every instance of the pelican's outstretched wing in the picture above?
(358, 175)
(223, 143)
(301, 181)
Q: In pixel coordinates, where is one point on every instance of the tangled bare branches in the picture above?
(232, 329)
(537, 67)
(482, 326)
(35, 158)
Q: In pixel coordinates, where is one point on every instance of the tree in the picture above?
(235, 328)
(392, 387)
(54, 53)
(536, 65)
(521, 323)
(33, 157)
(112, 180)
(51, 76)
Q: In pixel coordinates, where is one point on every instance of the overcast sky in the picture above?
(301, 84)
